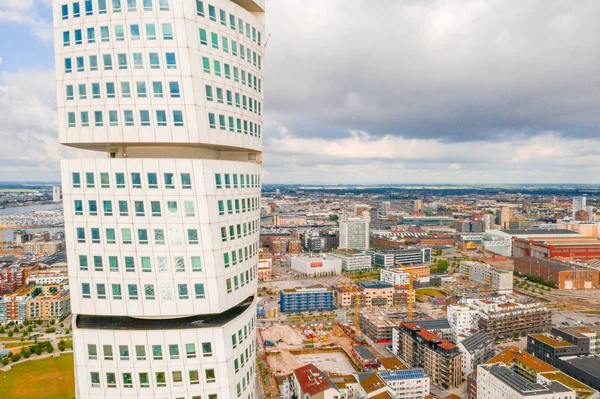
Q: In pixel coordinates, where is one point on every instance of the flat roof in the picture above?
(553, 264)
(393, 375)
(540, 232)
(435, 324)
(477, 341)
(364, 352)
(551, 341)
(587, 364)
(521, 384)
(375, 284)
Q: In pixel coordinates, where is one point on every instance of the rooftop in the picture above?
(540, 232)
(477, 341)
(432, 325)
(375, 284)
(587, 364)
(394, 375)
(551, 263)
(513, 354)
(521, 384)
(552, 341)
(392, 363)
(364, 352)
(313, 381)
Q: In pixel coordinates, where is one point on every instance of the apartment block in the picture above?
(482, 273)
(295, 300)
(49, 306)
(378, 324)
(353, 261)
(418, 347)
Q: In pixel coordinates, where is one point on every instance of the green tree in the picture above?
(62, 345)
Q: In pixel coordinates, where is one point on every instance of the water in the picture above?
(8, 234)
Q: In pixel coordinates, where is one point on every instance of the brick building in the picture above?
(565, 275)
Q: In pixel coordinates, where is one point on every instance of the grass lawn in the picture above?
(17, 344)
(50, 378)
(432, 292)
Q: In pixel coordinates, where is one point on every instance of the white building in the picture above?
(579, 203)
(462, 319)
(407, 384)
(317, 266)
(162, 232)
(354, 233)
(396, 276)
(56, 196)
(353, 261)
(482, 273)
(476, 349)
(496, 381)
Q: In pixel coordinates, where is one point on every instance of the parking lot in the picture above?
(567, 318)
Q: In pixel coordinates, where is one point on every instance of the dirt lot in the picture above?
(291, 348)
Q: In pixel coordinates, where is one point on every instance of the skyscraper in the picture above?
(579, 203)
(354, 233)
(162, 218)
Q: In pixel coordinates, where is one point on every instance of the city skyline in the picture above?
(470, 94)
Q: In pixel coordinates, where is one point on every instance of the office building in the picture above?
(418, 347)
(497, 279)
(565, 276)
(317, 266)
(162, 232)
(353, 261)
(354, 233)
(313, 298)
(386, 258)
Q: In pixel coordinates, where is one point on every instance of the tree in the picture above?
(16, 357)
(5, 360)
(26, 353)
(10, 333)
(62, 345)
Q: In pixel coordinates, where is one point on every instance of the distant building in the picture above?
(577, 248)
(353, 261)
(264, 269)
(295, 300)
(391, 257)
(317, 266)
(354, 233)
(376, 293)
(13, 307)
(566, 276)
(504, 217)
(417, 205)
(482, 273)
(56, 194)
(579, 204)
(49, 307)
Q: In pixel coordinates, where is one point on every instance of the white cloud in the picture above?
(455, 166)
(25, 12)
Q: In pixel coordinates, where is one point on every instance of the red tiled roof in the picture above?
(312, 380)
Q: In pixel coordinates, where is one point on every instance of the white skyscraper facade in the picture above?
(162, 210)
(354, 233)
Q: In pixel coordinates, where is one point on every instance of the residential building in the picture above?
(317, 266)
(441, 327)
(463, 320)
(476, 349)
(309, 382)
(378, 324)
(497, 380)
(13, 307)
(315, 297)
(548, 347)
(503, 318)
(372, 386)
(162, 220)
(265, 269)
(354, 233)
(43, 277)
(407, 384)
(376, 293)
(497, 279)
(353, 261)
(49, 306)
(418, 347)
(394, 276)
(566, 276)
(42, 247)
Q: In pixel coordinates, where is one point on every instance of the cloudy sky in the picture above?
(381, 91)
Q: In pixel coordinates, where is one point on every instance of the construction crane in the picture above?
(411, 292)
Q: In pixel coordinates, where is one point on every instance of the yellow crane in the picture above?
(411, 291)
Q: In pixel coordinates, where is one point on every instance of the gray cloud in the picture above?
(453, 70)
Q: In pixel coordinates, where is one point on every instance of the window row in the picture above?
(142, 90)
(242, 27)
(102, 34)
(128, 119)
(113, 264)
(233, 124)
(230, 47)
(174, 352)
(160, 378)
(247, 79)
(240, 205)
(169, 180)
(123, 62)
(157, 208)
(232, 180)
(242, 101)
(231, 258)
(101, 7)
(165, 291)
(235, 231)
